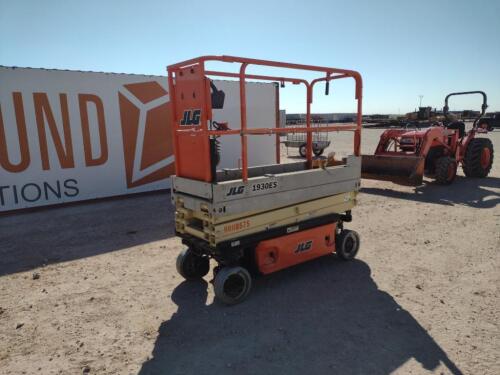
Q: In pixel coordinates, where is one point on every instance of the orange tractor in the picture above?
(404, 156)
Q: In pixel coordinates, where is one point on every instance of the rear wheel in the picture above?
(347, 244)
(446, 170)
(303, 150)
(232, 285)
(478, 158)
(192, 266)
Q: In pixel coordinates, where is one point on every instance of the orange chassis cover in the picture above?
(285, 251)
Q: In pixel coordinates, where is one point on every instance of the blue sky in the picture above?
(402, 48)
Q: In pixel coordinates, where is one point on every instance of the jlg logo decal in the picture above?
(235, 191)
(191, 117)
(304, 246)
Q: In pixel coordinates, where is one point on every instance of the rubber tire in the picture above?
(318, 152)
(192, 266)
(472, 161)
(220, 286)
(430, 160)
(442, 168)
(347, 244)
(303, 150)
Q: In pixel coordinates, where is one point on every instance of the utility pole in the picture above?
(420, 103)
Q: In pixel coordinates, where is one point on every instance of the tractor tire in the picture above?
(192, 266)
(446, 170)
(430, 160)
(347, 244)
(232, 285)
(303, 150)
(318, 151)
(478, 158)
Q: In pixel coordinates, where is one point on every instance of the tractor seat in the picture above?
(457, 125)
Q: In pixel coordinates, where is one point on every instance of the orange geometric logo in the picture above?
(147, 133)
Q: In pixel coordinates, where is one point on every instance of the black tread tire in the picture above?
(192, 266)
(303, 150)
(472, 161)
(347, 244)
(234, 274)
(318, 151)
(430, 160)
(442, 170)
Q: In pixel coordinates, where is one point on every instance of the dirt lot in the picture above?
(93, 288)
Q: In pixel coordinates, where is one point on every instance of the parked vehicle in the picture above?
(320, 142)
(490, 121)
(404, 155)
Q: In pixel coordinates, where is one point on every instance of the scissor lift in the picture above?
(261, 218)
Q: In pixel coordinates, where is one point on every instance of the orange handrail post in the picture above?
(308, 126)
(243, 110)
(359, 97)
(173, 116)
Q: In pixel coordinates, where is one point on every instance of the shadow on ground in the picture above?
(298, 157)
(322, 317)
(473, 192)
(32, 239)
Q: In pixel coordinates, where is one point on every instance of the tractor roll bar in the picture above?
(330, 74)
(483, 106)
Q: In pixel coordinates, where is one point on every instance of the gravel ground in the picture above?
(93, 289)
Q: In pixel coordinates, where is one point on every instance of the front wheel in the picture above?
(192, 266)
(347, 244)
(446, 170)
(318, 151)
(478, 158)
(232, 285)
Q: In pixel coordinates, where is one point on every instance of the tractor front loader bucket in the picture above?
(403, 170)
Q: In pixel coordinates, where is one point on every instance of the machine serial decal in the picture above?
(265, 186)
(236, 226)
(303, 246)
(191, 117)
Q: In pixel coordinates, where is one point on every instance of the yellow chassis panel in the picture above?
(201, 225)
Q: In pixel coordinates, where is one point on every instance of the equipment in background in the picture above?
(320, 142)
(404, 156)
(255, 219)
(490, 121)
